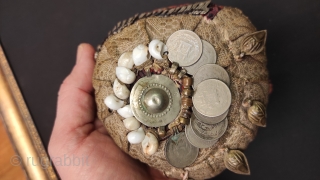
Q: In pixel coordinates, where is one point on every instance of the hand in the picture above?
(80, 147)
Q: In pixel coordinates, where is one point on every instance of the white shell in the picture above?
(125, 112)
(157, 48)
(126, 60)
(140, 54)
(120, 90)
(131, 123)
(137, 136)
(125, 75)
(113, 102)
(150, 144)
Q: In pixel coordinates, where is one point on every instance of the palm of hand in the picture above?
(80, 147)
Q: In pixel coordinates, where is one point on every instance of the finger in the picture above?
(75, 101)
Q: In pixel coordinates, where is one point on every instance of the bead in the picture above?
(186, 102)
(161, 131)
(157, 48)
(150, 144)
(137, 136)
(187, 92)
(182, 73)
(120, 90)
(125, 111)
(113, 102)
(131, 123)
(126, 60)
(125, 75)
(140, 54)
(173, 68)
(187, 81)
(186, 113)
(183, 120)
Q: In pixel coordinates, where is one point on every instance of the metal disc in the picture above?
(180, 153)
(209, 120)
(208, 131)
(210, 71)
(209, 56)
(197, 141)
(184, 47)
(212, 98)
(155, 101)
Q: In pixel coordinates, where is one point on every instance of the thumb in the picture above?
(75, 101)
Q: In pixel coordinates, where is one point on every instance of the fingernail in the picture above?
(79, 52)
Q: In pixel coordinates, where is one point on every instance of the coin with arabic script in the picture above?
(209, 120)
(209, 56)
(184, 47)
(196, 140)
(208, 131)
(210, 71)
(180, 153)
(212, 98)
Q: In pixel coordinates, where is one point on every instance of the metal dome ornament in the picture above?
(155, 100)
(184, 88)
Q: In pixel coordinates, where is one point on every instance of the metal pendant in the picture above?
(155, 100)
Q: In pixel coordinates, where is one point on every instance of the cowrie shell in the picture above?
(140, 54)
(157, 48)
(113, 102)
(125, 75)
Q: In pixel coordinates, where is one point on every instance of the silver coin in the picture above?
(209, 120)
(184, 47)
(180, 153)
(209, 56)
(197, 141)
(208, 131)
(155, 101)
(210, 71)
(212, 98)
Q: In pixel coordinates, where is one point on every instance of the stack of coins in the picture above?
(211, 98)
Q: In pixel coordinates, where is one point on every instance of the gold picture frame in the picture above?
(21, 129)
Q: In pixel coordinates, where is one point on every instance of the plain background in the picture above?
(40, 39)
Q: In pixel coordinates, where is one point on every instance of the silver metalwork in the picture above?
(197, 141)
(209, 120)
(184, 47)
(155, 100)
(212, 98)
(209, 56)
(208, 131)
(180, 153)
(210, 71)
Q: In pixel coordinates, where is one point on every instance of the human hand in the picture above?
(77, 133)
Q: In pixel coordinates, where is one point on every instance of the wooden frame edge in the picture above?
(21, 128)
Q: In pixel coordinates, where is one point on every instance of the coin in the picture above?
(209, 56)
(208, 131)
(209, 120)
(197, 141)
(155, 101)
(184, 47)
(180, 153)
(210, 71)
(212, 98)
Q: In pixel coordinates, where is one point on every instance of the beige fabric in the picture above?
(249, 79)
